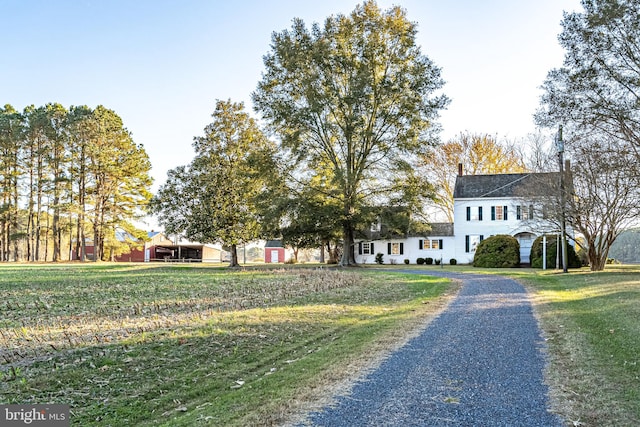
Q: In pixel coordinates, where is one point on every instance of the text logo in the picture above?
(34, 415)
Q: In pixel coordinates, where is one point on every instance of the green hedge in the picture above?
(552, 242)
(500, 251)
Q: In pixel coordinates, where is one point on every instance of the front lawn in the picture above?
(148, 344)
(592, 327)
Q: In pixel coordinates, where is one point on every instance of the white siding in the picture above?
(487, 227)
(524, 229)
(410, 250)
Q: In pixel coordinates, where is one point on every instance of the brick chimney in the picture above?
(459, 169)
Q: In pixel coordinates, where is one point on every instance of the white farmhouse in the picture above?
(438, 245)
(484, 206)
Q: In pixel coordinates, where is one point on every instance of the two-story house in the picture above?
(484, 206)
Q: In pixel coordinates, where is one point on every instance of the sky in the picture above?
(161, 65)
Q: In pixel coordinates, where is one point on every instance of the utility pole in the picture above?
(563, 221)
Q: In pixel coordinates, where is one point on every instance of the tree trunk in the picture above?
(348, 258)
(56, 229)
(597, 261)
(5, 229)
(234, 256)
(14, 220)
(47, 228)
(333, 259)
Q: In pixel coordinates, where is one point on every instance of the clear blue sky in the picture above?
(162, 64)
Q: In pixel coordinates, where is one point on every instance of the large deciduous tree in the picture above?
(355, 99)
(478, 154)
(310, 218)
(599, 198)
(596, 96)
(598, 86)
(606, 195)
(216, 198)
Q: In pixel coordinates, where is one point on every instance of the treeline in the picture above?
(626, 247)
(68, 178)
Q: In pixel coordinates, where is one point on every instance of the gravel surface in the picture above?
(479, 363)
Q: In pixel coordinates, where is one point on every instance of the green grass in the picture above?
(141, 344)
(592, 326)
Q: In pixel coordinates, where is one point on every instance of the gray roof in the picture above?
(503, 185)
(273, 244)
(441, 229)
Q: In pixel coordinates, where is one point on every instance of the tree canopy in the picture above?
(478, 154)
(595, 95)
(216, 199)
(597, 87)
(354, 99)
(606, 195)
(625, 249)
(66, 175)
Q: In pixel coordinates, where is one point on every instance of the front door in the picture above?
(526, 241)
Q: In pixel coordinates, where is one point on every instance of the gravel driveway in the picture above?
(479, 363)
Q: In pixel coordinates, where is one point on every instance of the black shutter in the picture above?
(420, 243)
(401, 248)
(505, 213)
(360, 248)
(466, 243)
(468, 213)
(530, 211)
(493, 213)
(518, 212)
(389, 248)
(479, 213)
(481, 237)
(371, 250)
(441, 243)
